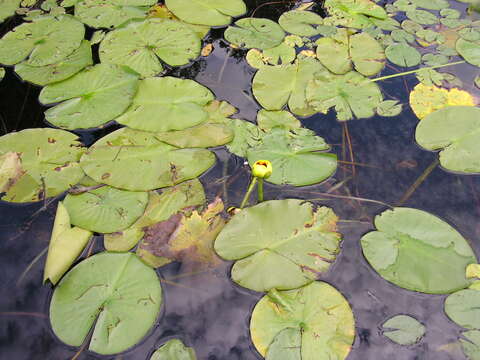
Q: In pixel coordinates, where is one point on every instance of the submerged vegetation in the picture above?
(139, 185)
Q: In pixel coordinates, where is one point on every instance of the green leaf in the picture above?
(333, 53)
(351, 94)
(403, 329)
(432, 4)
(418, 251)
(353, 13)
(267, 120)
(38, 163)
(403, 55)
(66, 244)
(246, 135)
(141, 45)
(295, 157)
(302, 23)
(44, 75)
(463, 308)
(471, 344)
(116, 294)
(318, 311)
(46, 40)
(199, 136)
(167, 103)
(207, 12)
(255, 33)
(174, 350)
(389, 108)
(114, 158)
(7, 8)
(454, 131)
(469, 50)
(367, 54)
(422, 17)
(281, 244)
(286, 345)
(110, 13)
(91, 98)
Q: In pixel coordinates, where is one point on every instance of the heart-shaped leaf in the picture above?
(255, 33)
(207, 12)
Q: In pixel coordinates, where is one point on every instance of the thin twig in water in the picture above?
(418, 182)
(29, 267)
(224, 65)
(79, 352)
(350, 147)
(180, 285)
(23, 313)
(353, 198)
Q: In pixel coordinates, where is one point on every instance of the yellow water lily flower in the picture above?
(262, 169)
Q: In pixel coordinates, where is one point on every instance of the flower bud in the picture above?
(262, 169)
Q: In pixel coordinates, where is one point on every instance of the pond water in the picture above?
(207, 310)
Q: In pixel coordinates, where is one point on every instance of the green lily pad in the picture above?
(44, 75)
(418, 251)
(91, 98)
(432, 4)
(275, 86)
(463, 308)
(281, 244)
(302, 23)
(111, 13)
(174, 349)
(321, 314)
(352, 95)
(245, 136)
(105, 209)
(114, 158)
(255, 33)
(357, 14)
(296, 157)
(454, 131)
(469, 50)
(207, 12)
(116, 294)
(7, 8)
(167, 103)
(41, 163)
(267, 120)
(422, 17)
(389, 108)
(141, 45)
(333, 52)
(286, 345)
(471, 344)
(402, 54)
(200, 136)
(403, 329)
(66, 244)
(46, 40)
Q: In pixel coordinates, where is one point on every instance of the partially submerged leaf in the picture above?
(38, 163)
(318, 311)
(174, 350)
(207, 12)
(463, 308)
(255, 33)
(418, 251)
(66, 243)
(116, 294)
(282, 244)
(403, 329)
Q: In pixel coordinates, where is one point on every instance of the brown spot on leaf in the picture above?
(52, 140)
(105, 176)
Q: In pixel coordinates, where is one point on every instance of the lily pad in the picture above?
(463, 308)
(111, 13)
(200, 136)
(454, 131)
(267, 120)
(44, 75)
(432, 4)
(91, 98)
(174, 349)
(207, 12)
(287, 345)
(7, 8)
(296, 157)
(357, 14)
(114, 158)
(167, 103)
(281, 244)
(402, 54)
(469, 50)
(141, 45)
(66, 243)
(318, 311)
(422, 17)
(403, 329)
(302, 23)
(246, 135)
(38, 163)
(46, 40)
(471, 344)
(116, 294)
(255, 33)
(352, 95)
(418, 251)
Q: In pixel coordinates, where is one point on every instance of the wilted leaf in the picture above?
(255, 33)
(403, 329)
(207, 12)
(174, 350)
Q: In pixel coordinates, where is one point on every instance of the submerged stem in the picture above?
(418, 182)
(417, 70)
(249, 191)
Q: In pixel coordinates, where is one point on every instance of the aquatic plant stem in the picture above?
(260, 190)
(418, 182)
(253, 182)
(416, 70)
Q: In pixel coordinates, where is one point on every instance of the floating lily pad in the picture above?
(422, 17)
(167, 103)
(44, 75)
(454, 131)
(275, 86)
(469, 50)
(296, 157)
(302, 23)
(91, 98)
(471, 344)
(7, 8)
(207, 12)
(403, 329)
(111, 13)
(268, 120)
(353, 13)
(141, 45)
(38, 163)
(66, 243)
(116, 294)
(432, 4)
(200, 136)
(463, 307)
(280, 244)
(333, 52)
(352, 95)
(255, 33)
(114, 158)
(246, 135)
(402, 54)
(174, 349)
(46, 40)
(418, 251)
(318, 311)
(389, 108)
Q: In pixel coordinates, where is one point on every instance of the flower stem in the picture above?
(260, 190)
(417, 70)
(249, 192)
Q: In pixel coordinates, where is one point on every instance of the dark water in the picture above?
(206, 310)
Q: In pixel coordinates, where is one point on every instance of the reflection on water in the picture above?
(206, 310)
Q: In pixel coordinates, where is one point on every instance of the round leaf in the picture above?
(321, 314)
(287, 345)
(280, 244)
(117, 294)
(207, 12)
(403, 329)
(302, 23)
(418, 251)
(174, 350)
(469, 50)
(463, 307)
(471, 346)
(422, 17)
(403, 55)
(367, 54)
(255, 33)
